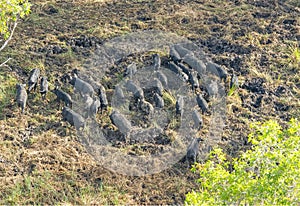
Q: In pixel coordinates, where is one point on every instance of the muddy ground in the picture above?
(41, 159)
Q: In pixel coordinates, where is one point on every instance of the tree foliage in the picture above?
(10, 10)
(268, 174)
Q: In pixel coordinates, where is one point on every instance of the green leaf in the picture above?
(268, 174)
(10, 11)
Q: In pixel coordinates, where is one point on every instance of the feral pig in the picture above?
(120, 121)
(82, 86)
(33, 79)
(119, 93)
(183, 76)
(174, 54)
(102, 97)
(193, 79)
(197, 119)
(181, 50)
(234, 82)
(95, 108)
(131, 86)
(157, 86)
(222, 72)
(157, 61)
(159, 101)
(119, 96)
(193, 150)
(177, 70)
(65, 78)
(73, 118)
(146, 107)
(139, 94)
(131, 70)
(87, 76)
(179, 105)
(185, 68)
(217, 70)
(186, 71)
(174, 68)
(62, 96)
(211, 67)
(88, 101)
(44, 87)
(195, 63)
(202, 103)
(212, 89)
(162, 78)
(137, 91)
(75, 72)
(21, 96)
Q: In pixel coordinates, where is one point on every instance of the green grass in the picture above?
(232, 90)
(169, 99)
(7, 90)
(295, 55)
(50, 188)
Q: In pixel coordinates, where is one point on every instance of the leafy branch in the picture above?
(10, 36)
(268, 174)
(10, 12)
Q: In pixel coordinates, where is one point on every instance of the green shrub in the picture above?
(10, 11)
(268, 174)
